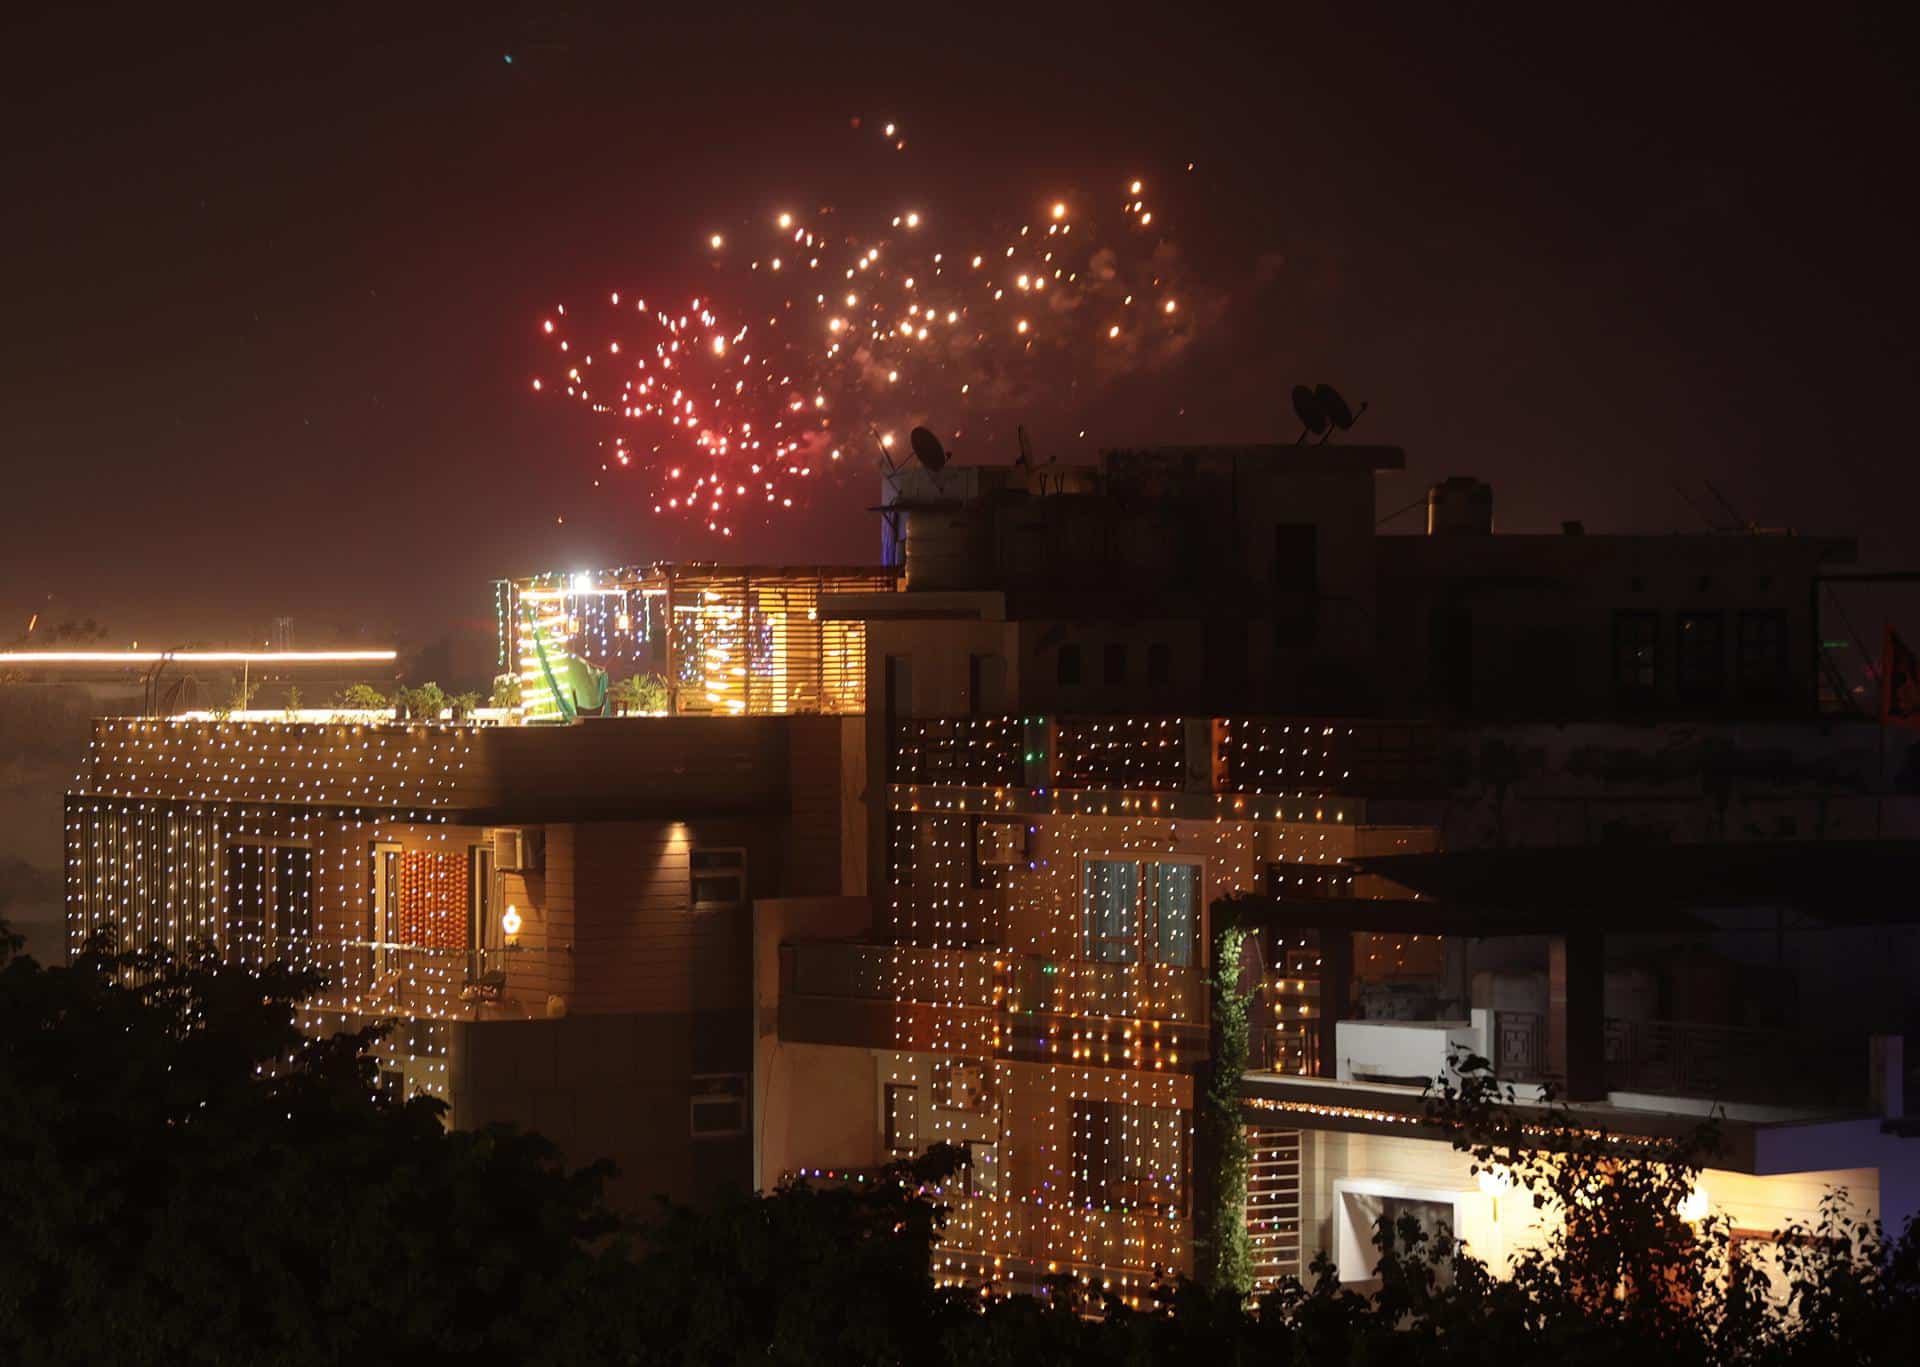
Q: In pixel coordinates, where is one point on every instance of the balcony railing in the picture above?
(1519, 1046)
(1733, 1063)
(1680, 1058)
(1291, 757)
(959, 977)
(990, 978)
(366, 977)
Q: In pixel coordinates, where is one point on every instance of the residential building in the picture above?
(1109, 698)
(557, 917)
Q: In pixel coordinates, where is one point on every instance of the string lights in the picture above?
(1066, 1068)
(1053, 973)
(254, 838)
(730, 640)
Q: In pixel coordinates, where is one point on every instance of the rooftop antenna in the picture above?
(928, 449)
(886, 457)
(1739, 523)
(1306, 407)
(1339, 416)
(1026, 447)
(1698, 511)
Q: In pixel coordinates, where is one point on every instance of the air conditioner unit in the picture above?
(966, 1087)
(1001, 844)
(516, 850)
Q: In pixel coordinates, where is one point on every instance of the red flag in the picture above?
(1899, 683)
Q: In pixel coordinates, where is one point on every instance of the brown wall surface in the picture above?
(615, 1086)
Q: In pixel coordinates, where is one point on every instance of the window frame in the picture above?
(1119, 1181)
(1747, 680)
(736, 872)
(734, 1095)
(1159, 665)
(383, 894)
(273, 925)
(892, 1096)
(983, 1168)
(1144, 938)
(1700, 674)
(979, 873)
(1355, 1257)
(485, 935)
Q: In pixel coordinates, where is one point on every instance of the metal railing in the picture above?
(1734, 1063)
(368, 977)
(1680, 1058)
(1519, 1046)
(992, 978)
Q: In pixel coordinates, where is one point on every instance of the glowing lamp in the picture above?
(1693, 1206)
(510, 920)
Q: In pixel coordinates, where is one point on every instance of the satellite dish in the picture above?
(1338, 414)
(1308, 408)
(928, 448)
(1333, 406)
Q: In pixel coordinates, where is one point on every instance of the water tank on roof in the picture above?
(949, 547)
(1460, 505)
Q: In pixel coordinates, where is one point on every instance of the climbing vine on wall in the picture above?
(1224, 1257)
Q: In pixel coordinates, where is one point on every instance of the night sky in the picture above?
(274, 280)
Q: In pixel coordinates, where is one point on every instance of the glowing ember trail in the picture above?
(815, 340)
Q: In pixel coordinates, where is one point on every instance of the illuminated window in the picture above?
(983, 1169)
(418, 902)
(1360, 1204)
(1132, 912)
(383, 904)
(1173, 894)
(484, 934)
(1109, 910)
(718, 1108)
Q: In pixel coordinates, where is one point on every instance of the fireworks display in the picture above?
(815, 343)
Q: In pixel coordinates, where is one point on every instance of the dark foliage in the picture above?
(186, 1178)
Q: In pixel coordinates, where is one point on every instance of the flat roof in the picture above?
(1395, 1109)
(1860, 882)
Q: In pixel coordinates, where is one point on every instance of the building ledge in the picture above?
(1318, 1103)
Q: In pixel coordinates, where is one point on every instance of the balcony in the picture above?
(1681, 1058)
(371, 979)
(1019, 1006)
(1289, 757)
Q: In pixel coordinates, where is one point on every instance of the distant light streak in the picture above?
(201, 657)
